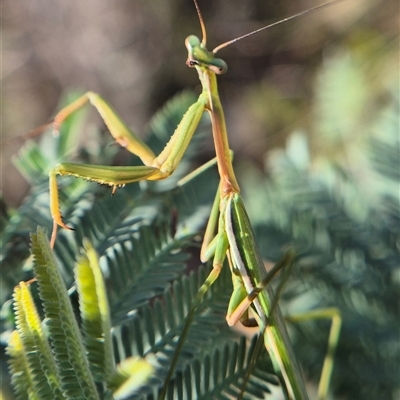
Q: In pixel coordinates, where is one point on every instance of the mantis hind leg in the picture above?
(334, 333)
(241, 306)
(328, 313)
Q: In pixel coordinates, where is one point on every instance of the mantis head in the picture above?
(198, 55)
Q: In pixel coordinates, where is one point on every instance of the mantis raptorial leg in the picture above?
(229, 233)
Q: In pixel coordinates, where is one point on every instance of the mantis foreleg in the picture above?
(155, 168)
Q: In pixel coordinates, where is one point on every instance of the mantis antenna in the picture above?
(203, 27)
(221, 46)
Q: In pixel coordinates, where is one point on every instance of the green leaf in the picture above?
(66, 340)
(31, 350)
(132, 373)
(95, 313)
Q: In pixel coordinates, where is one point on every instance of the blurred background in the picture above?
(132, 52)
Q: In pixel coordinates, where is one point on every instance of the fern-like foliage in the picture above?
(67, 367)
(32, 365)
(146, 237)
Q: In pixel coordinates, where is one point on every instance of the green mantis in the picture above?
(229, 234)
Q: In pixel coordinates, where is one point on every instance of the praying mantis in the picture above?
(228, 234)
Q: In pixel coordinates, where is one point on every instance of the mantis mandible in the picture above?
(234, 238)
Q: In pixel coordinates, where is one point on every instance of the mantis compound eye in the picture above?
(218, 66)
